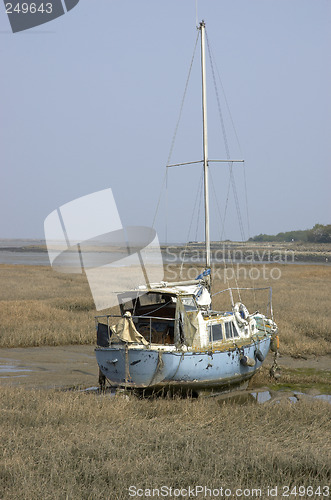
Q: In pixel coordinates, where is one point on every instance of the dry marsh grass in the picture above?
(301, 298)
(41, 307)
(83, 446)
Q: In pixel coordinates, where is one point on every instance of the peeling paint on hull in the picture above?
(144, 368)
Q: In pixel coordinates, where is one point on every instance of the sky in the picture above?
(91, 100)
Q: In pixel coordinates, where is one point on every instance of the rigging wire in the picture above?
(236, 136)
(226, 144)
(166, 207)
(219, 213)
(230, 164)
(182, 103)
(149, 313)
(191, 222)
(246, 201)
(237, 139)
(199, 209)
(160, 196)
(216, 199)
(225, 98)
(165, 180)
(231, 180)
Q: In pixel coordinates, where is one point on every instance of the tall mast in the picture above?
(205, 142)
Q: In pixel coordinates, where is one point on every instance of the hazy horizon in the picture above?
(91, 101)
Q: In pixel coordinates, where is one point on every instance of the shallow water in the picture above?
(12, 369)
(24, 258)
(17, 252)
(240, 398)
(263, 397)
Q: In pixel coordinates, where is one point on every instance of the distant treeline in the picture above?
(318, 234)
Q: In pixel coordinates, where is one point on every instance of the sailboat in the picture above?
(168, 336)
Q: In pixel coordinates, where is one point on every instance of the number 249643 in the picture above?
(29, 8)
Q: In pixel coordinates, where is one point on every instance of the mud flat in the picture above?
(47, 367)
(79, 444)
(65, 367)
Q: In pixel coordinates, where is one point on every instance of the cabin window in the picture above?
(215, 332)
(189, 303)
(127, 305)
(150, 299)
(228, 330)
(231, 330)
(235, 330)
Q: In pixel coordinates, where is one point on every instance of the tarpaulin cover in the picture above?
(125, 331)
(189, 323)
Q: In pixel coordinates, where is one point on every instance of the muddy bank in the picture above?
(49, 367)
(70, 366)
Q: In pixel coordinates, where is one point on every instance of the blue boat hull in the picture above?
(144, 368)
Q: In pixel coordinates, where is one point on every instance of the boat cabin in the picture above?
(177, 315)
(153, 314)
